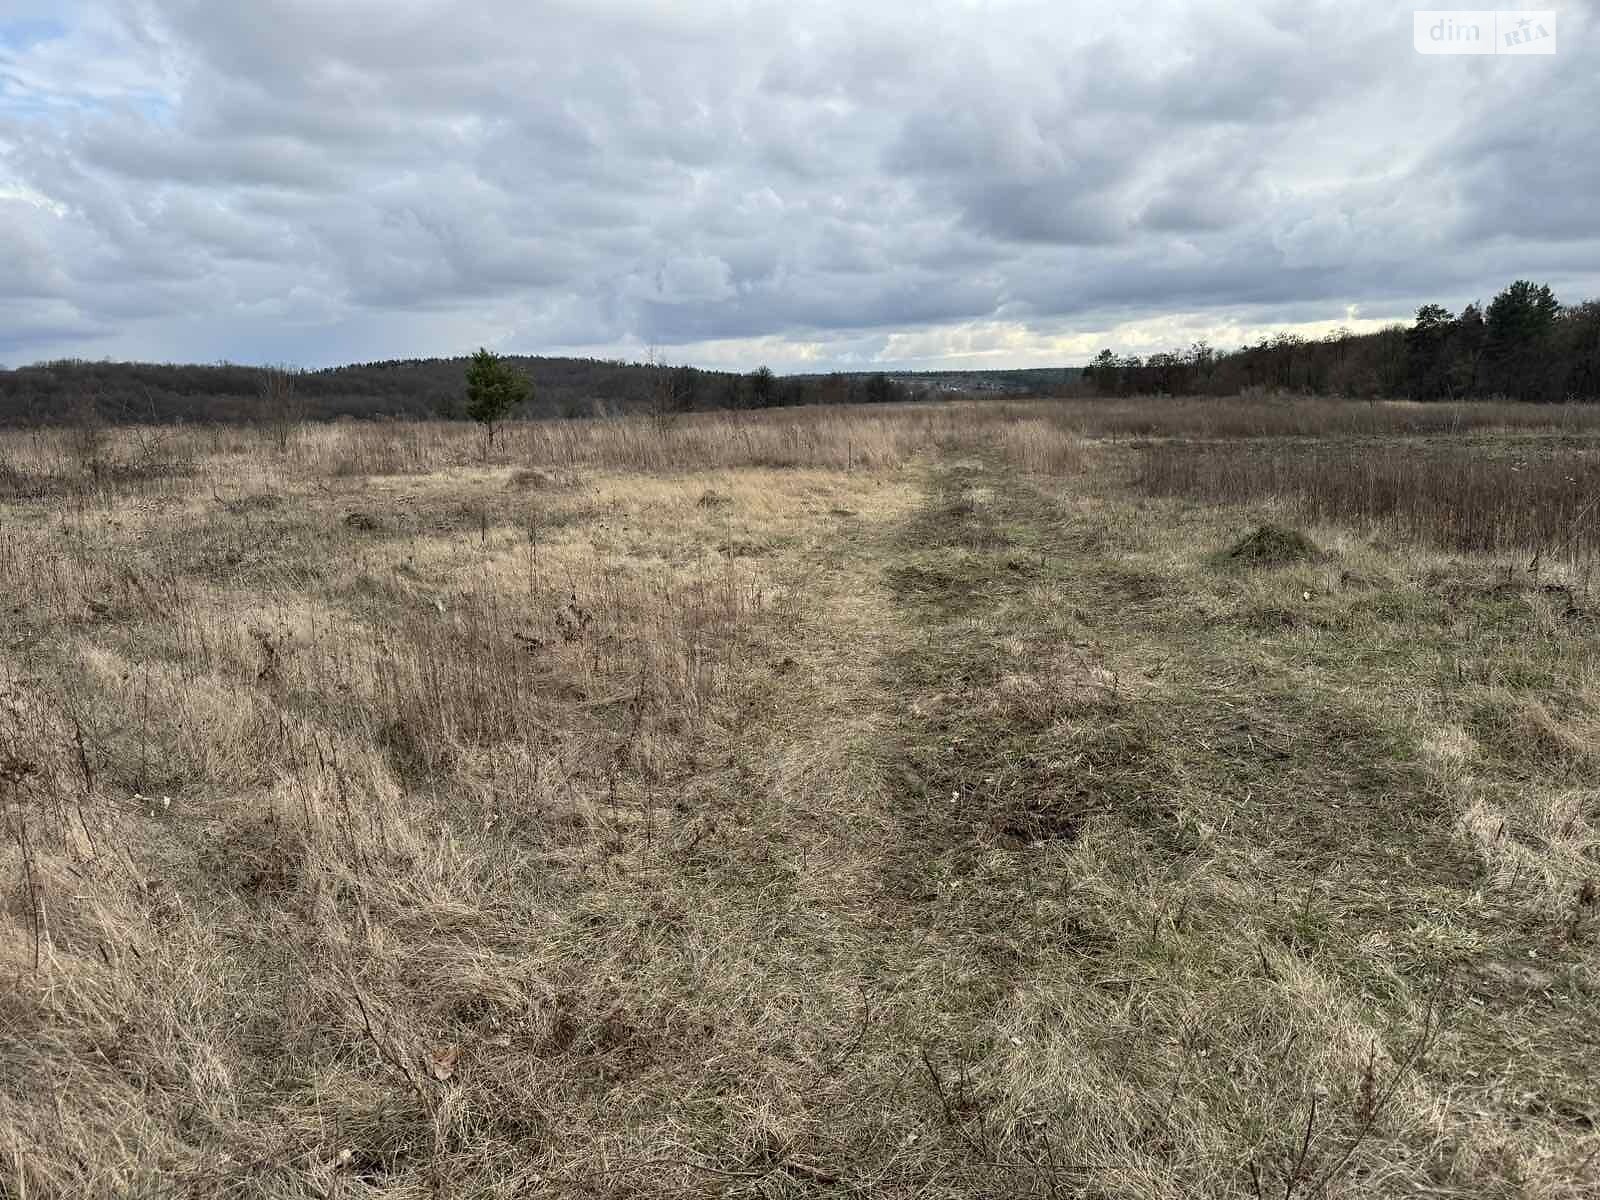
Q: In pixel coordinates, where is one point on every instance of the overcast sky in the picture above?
(810, 185)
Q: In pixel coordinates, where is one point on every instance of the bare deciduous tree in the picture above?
(282, 409)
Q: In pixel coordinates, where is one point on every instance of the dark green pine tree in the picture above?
(494, 391)
(1519, 323)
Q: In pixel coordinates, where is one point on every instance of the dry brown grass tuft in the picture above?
(1041, 446)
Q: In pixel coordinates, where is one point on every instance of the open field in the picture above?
(910, 801)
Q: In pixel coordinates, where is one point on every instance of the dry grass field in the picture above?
(942, 801)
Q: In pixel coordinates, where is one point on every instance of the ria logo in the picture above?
(1483, 31)
(1526, 32)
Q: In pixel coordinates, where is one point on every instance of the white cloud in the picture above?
(828, 184)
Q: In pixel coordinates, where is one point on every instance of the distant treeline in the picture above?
(68, 389)
(1525, 346)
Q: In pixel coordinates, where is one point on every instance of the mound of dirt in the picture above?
(1272, 546)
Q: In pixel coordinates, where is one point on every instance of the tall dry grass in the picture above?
(1475, 501)
(842, 438)
(1282, 416)
(52, 463)
(281, 848)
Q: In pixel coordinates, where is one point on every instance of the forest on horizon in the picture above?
(1524, 345)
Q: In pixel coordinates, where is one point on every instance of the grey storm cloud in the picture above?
(737, 182)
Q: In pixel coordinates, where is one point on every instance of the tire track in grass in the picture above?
(978, 764)
(984, 798)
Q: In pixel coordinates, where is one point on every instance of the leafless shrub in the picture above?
(282, 409)
(157, 452)
(87, 439)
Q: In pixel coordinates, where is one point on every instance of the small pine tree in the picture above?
(494, 390)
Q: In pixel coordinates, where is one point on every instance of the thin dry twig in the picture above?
(1430, 1030)
(386, 1052)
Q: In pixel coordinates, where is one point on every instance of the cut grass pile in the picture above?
(1271, 546)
